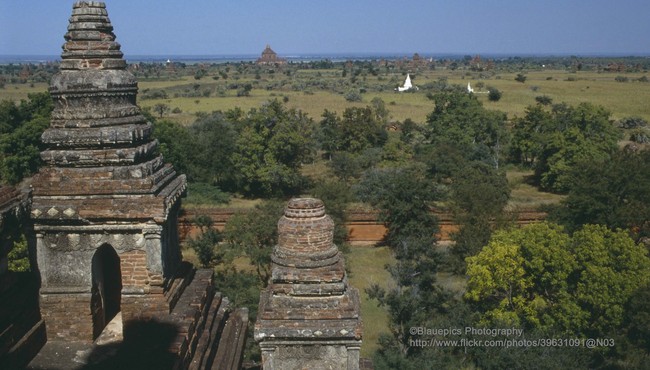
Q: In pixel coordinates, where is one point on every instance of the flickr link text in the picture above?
(508, 338)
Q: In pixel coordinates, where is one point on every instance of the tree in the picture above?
(395, 152)
(540, 277)
(404, 197)
(359, 129)
(611, 192)
(478, 195)
(379, 108)
(175, 144)
(245, 90)
(353, 96)
(272, 144)
(328, 135)
(254, 234)
(212, 143)
(206, 245)
(520, 78)
(494, 94)
(459, 119)
(336, 195)
(632, 122)
(529, 135)
(411, 132)
(557, 140)
(611, 268)
(161, 109)
(544, 100)
(200, 73)
(21, 128)
(346, 166)
(10, 116)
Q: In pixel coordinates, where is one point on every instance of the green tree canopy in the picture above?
(254, 234)
(540, 277)
(404, 198)
(459, 119)
(612, 192)
(271, 145)
(356, 130)
(556, 140)
(477, 197)
(21, 128)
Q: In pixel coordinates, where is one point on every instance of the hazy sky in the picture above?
(216, 27)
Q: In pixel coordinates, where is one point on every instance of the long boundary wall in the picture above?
(364, 227)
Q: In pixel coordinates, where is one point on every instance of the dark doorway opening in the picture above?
(106, 292)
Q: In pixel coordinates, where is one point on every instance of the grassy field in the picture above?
(525, 195)
(366, 265)
(621, 98)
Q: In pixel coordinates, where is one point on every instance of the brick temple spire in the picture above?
(309, 316)
(105, 204)
(90, 41)
(98, 141)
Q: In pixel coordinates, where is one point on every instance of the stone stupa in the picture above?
(309, 316)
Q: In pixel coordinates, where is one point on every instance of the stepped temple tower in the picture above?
(105, 196)
(308, 316)
(114, 291)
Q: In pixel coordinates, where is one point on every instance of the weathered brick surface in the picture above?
(364, 227)
(134, 268)
(67, 316)
(308, 315)
(102, 174)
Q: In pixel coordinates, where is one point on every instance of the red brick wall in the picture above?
(136, 278)
(133, 265)
(67, 316)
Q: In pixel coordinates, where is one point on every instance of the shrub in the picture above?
(494, 94)
(640, 136)
(632, 122)
(353, 96)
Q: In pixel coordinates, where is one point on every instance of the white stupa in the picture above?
(407, 85)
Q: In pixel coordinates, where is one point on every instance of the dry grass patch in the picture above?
(366, 266)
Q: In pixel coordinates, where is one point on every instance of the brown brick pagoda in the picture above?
(270, 57)
(105, 205)
(308, 315)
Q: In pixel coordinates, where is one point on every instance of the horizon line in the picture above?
(55, 57)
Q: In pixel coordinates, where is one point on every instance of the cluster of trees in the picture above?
(581, 275)
(21, 126)
(582, 278)
(579, 285)
(555, 140)
(257, 153)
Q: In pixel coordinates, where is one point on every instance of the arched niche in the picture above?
(106, 291)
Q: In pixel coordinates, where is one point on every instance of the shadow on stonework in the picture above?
(147, 344)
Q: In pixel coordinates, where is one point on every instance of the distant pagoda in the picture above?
(270, 57)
